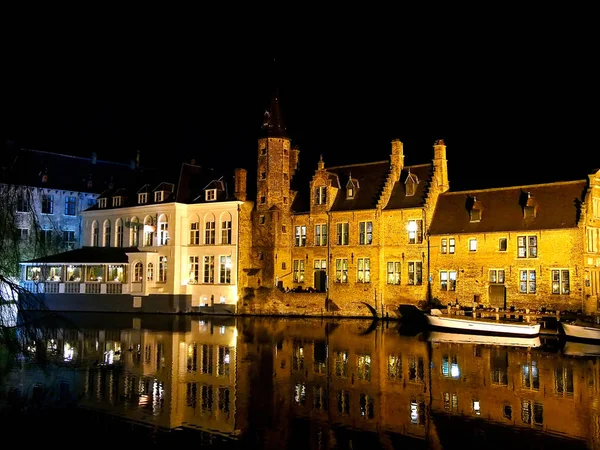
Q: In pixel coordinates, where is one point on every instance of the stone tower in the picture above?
(277, 163)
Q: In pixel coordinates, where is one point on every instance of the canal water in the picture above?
(271, 383)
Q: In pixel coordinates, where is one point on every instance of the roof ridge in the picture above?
(357, 164)
(506, 188)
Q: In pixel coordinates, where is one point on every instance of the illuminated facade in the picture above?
(157, 250)
(370, 236)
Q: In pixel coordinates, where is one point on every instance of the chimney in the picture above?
(240, 184)
(397, 158)
(45, 175)
(94, 157)
(89, 181)
(137, 158)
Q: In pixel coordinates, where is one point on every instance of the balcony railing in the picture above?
(57, 287)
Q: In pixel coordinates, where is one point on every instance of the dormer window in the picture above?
(350, 192)
(116, 201)
(528, 212)
(475, 210)
(159, 196)
(411, 184)
(211, 195)
(101, 203)
(351, 188)
(321, 195)
(142, 198)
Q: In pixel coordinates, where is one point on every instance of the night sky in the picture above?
(516, 109)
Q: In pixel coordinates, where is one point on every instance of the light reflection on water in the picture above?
(307, 383)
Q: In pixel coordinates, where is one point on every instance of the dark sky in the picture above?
(516, 103)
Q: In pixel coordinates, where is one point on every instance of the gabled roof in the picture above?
(100, 255)
(164, 186)
(399, 199)
(558, 206)
(371, 178)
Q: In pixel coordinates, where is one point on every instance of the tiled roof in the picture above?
(193, 180)
(100, 255)
(371, 178)
(399, 199)
(557, 205)
(70, 173)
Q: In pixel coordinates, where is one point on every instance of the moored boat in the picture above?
(464, 324)
(581, 331)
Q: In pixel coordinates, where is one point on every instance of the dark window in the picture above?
(70, 206)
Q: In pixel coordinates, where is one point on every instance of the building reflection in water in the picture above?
(291, 383)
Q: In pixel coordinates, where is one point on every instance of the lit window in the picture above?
(226, 231)
(393, 272)
(365, 233)
(225, 269)
(415, 231)
(300, 237)
(116, 201)
(209, 231)
(527, 282)
(162, 269)
(364, 270)
(142, 198)
(444, 248)
(321, 234)
(298, 271)
(341, 270)
(195, 233)
(448, 280)
(342, 233)
(261, 220)
(209, 269)
(560, 281)
(159, 196)
(497, 276)
(194, 270)
(415, 272)
(101, 203)
(472, 245)
(451, 245)
(527, 246)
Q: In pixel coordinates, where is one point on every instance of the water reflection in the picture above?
(277, 383)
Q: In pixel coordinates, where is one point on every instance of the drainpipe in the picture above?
(328, 262)
(237, 260)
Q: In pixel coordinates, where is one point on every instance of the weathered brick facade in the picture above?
(373, 234)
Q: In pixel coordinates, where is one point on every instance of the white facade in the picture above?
(186, 249)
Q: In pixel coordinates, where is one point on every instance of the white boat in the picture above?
(581, 331)
(464, 324)
(481, 339)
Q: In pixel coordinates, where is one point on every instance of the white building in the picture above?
(165, 249)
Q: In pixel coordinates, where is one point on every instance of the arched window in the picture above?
(150, 272)
(209, 229)
(149, 229)
(134, 229)
(163, 230)
(226, 228)
(119, 233)
(138, 272)
(194, 230)
(106, 233)
(95, 234)
(162, 269)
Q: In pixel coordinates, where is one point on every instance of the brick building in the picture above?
(377, 234)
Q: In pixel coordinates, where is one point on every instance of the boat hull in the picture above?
(483, 327)
(581, 332)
